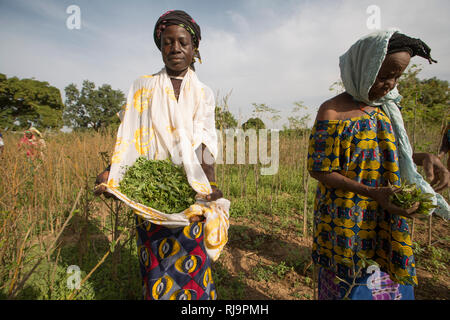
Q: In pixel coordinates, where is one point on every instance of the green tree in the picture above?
(254, 123)
(25, 102)
(337, 87)
(298, 120)
(425, 100)
(224, 118)
(261, 110)
(91, 107)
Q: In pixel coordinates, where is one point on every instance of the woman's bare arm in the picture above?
(435, 171)
(208, 168)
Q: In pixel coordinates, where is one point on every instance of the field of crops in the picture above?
(51, 226)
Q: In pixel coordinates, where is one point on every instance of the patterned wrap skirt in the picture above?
(375, 286)
(173, 262)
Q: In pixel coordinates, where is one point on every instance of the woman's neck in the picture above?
(176, 85)
(177, 74)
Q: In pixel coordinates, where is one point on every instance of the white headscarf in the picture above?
(359, 68)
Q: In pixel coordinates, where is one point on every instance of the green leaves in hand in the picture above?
(158, 184)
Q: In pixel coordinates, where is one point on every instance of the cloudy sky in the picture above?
(265, 51)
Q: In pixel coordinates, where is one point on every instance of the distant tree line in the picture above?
(29, 102)
(26, 102)
(427, 100)
(92, 107)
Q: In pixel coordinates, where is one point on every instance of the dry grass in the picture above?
(38, 197)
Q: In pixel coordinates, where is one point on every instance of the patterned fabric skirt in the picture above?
(375, 286)
(173, 262)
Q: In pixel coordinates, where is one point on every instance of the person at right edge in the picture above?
(359, 151)
(445, 145)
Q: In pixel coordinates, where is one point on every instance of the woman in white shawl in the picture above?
(358, 150)
(171, 114)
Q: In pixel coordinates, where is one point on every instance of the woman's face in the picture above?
(177, 50)
(392, 68)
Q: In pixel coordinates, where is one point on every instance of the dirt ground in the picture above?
(261, 263)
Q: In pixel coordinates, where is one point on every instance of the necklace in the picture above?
(371, 115)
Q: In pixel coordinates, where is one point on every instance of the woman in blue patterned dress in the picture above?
(354, 154)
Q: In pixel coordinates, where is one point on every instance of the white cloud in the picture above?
(238, 21)
(274, 54)
(298, 59)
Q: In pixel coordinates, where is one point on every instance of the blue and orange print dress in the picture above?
(173, 262)
(348, 226)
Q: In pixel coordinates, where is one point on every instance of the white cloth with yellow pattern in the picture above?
(157, 126)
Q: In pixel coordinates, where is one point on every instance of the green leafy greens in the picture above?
(409, 195)
(158, 184)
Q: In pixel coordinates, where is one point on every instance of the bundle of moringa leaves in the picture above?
(158, 184)
(409, 195)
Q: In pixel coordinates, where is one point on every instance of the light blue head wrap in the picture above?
(359, 68)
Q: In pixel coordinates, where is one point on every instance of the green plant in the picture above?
(229, 287)
(438, 260)
(357, 271)
(263, 272)
(409, 194)
(281, 269)
(158, 184)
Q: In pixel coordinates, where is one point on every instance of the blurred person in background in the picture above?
(32, 143)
